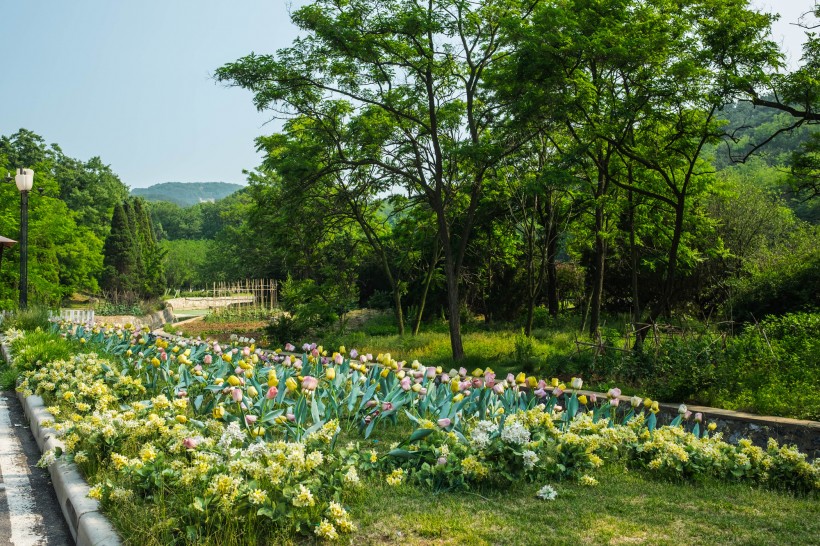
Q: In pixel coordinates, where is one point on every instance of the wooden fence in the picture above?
(263, 293)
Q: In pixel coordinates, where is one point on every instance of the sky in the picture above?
(131, 81)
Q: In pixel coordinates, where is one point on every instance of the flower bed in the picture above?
(217, 435)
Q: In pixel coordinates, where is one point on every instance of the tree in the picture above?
(413, 75)
(121, 256)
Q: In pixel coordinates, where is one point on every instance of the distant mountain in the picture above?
(186, 194)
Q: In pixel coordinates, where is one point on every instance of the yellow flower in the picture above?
(521, 378)
(532, 382)
(478, 372)
(219, 412)
(647, 402)
(330, 373)
(583, 399)
(273, 381)
(342, 349)
(712, 426)
(252, 392)
(416, 387)
(385, 372)
(234, 381)
(181, 419)
(291, 384)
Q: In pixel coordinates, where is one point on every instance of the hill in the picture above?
(186, 194)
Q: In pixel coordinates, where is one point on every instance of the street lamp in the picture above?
(24, 180)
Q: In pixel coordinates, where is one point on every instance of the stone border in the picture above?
(88, 525)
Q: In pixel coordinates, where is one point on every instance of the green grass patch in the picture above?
(627, 507)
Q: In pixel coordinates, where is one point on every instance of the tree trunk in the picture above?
(453, 307)
(428, 279)
(552, 273)
(399, 312)
(598, 271)
(633, 262)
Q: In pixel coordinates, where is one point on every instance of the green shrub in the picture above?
(34, 317)
(38, 347)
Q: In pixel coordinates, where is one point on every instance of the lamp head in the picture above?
(24, 179)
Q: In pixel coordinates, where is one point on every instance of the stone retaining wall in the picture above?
(155, 320)
(181, 304)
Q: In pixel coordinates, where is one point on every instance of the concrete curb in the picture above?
(88, 525)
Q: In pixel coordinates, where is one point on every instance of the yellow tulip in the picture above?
(583, 399)
(454, 385)
(330, 373)
(342, 349)
(291, 384)
(416, 387)
(219, 412)
(554, 382)
(234, 381)
(532, 382)
(647, 402)
(521, 378)
(385, 372)
(458, 398)
(182, 419)
(252, 392)
(478, 372)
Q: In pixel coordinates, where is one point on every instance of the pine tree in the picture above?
(120, 264)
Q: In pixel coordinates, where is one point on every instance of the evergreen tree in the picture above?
(120, 263)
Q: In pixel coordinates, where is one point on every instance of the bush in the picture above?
(29, 319)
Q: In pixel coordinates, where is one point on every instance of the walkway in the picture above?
(30, 514)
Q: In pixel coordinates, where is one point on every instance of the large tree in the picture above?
(412, 75)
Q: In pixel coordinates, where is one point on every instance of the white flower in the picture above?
(530, 458)
(481, 433)
(516, 434)
(547, 492)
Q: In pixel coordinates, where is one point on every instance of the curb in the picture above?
(87, 524)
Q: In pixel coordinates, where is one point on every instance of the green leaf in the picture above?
(419, 434)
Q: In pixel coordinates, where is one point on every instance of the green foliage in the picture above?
(773, 368)
(306, 311)
(29, 319)
(38, 348)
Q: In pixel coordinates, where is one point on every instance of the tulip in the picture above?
(521, 378)
(478, 372)
(252, 392)
(613, 393)
(687, 415)
(338, 359)
(289, 347)
(217, 348)
(498, 388)
(445, 378)
(246, 351)
(354, 353)
(654, 408)
(291, 384)
(554, 382)
(416, 387)
(582, 400)
(635, 401)
(510, 379)
(614, 402)
(698, 417)
(330, 374)
(181, 419)
(371, 404)
(712, 426)
(387, 406)
(272, 392)
(250, 419)
(208, 360)
(287, 363)
(540, 393)
(593, 398)
(309, 383)
(290, 417)
(462, 371)
(190, 443)
(236, 394)
(576, 383)
(405, 384)
(444, 422)
(682, 409)
(557, 391)
(441, 461)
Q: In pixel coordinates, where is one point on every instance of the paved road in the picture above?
(29, 511)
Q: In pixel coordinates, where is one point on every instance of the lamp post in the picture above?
(24, 180)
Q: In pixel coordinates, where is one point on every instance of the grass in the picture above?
(626, 507)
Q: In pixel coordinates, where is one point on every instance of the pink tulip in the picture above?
(422, 392)
(498, 388)
(246, 351)
(236, 394)
(217, 348)
(698, 417)
(444, 422)
(354, 353)
(289, 347)
(238, 371)
(371, 404)
(272, 392)
(338, 359)
(613, 393)
(445, 378)
(314, 353)
(477, 383)
(405, 384)
(557, 391)
(462, 385)
(462, 372)
(387, 406)
(540, 393)
(208, 360)
(557, 408)
(310, 383)
(687, 415)
(297, 363)
(510, 379)
(290, 417)
(250, 419)
(441, 461)
(614, 402)
(489, 379)
(189, 443)
(593, 398)
(306, 347)
(287, 362)
(197, 368)
(182, 393)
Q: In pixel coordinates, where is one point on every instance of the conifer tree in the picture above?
(120, 267)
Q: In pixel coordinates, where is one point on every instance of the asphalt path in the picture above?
(30, 513)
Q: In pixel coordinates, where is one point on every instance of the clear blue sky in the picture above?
(130, 80)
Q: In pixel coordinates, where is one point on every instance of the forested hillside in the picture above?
(186, 194)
